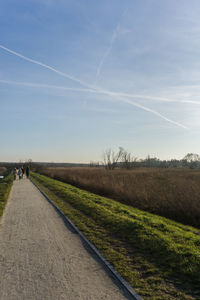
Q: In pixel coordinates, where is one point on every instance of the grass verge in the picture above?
(5, 186)
(158, 257)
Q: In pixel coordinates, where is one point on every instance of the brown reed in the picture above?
(172, 193)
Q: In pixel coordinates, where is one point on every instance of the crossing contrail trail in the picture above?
(133, 103)
(119, 96)
(152, 111)
(99, 90)
(34, 84)
(45, 66)
(126, 95)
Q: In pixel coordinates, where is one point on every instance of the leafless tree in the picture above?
(111, 158)
(127, 160)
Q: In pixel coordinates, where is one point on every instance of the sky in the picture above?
(78, 77)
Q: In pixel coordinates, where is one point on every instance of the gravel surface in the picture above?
(41, 259)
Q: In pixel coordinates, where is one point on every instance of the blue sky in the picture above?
(78, 77)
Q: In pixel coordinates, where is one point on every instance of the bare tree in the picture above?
(128, 161)
(111, 159)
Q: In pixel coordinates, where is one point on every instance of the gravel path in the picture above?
(41, 259)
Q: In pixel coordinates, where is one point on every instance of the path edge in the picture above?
(6, 202)
(108, 266)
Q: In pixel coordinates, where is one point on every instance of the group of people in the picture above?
(20, 172)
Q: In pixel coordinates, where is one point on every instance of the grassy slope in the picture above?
(158, 257)
(5, 186)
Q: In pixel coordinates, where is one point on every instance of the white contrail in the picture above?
(112, 94)
(153, 112)
(34, 84)
(99, 90)
(107, 52)
(45, 66)
(131, 102)
(126, 95)
(162, 99)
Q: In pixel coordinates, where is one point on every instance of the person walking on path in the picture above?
(27, 172)
(20, 173)
(22, 168)
(15, 173)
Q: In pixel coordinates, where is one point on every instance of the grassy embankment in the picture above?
(5, 186)
(158, 257)
(172, 193)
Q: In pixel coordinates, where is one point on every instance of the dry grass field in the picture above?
(172, 193)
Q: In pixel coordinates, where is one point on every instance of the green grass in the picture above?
(158, 257)
(5, 186)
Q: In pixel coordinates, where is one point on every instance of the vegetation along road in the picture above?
(41, 259)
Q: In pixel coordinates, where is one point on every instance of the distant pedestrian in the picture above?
(15, 173)
(19, 173)
(27, 172)
(22, 168)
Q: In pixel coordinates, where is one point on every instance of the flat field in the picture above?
(172, 193)
(160, 258)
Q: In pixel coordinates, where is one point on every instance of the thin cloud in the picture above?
(99, 90)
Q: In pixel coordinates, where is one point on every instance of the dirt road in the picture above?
(41, 259)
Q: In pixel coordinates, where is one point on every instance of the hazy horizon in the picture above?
(21, 161)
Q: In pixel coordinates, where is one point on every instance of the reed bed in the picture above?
(172, 193)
